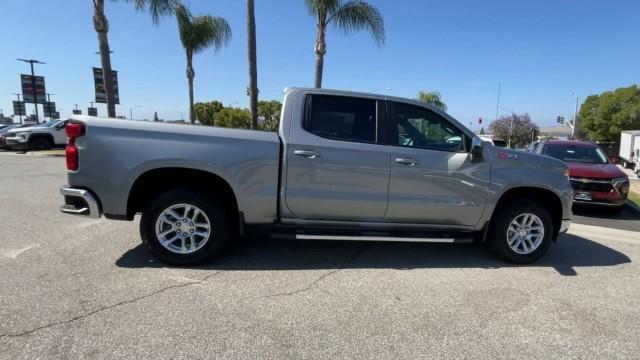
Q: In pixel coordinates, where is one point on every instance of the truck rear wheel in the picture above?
(183, 227)
(521, 231)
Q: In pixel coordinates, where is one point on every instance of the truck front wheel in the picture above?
(184, 227)
(521, 232)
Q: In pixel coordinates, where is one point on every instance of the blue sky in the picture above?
(538, 50)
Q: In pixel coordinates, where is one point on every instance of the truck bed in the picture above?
(247, 160)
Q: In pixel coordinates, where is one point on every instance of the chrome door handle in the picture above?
(309, 154)
(407, 161)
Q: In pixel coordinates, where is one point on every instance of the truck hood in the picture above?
(26, 129)
(596, 171)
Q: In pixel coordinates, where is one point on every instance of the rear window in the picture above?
(341, 118)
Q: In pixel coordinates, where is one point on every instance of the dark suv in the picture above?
(595, 179)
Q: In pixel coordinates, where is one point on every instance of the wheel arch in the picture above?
(547, 198)
(158, 180)
(34, 136)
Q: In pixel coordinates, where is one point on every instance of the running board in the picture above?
(364, 234)
(380, 238)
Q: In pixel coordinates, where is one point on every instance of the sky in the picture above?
(539, 51)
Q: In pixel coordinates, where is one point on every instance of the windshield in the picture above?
(50, 123)
(576, 153)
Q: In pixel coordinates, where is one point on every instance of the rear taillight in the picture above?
(73, 130)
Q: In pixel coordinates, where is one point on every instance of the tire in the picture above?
(516, 210)
(40, 143)
(195, 249)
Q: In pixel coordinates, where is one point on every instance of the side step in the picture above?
(288, 232)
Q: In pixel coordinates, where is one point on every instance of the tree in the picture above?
(604, 116)
(347, 16)
(155, 116)
(517, 130)
(432, 98)
(157, 8)
(196, 34)
(253, 64)
(233, 118)
(206, 112)
(269, 114)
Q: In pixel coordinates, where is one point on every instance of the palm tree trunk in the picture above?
(101, 25)
(190, 75)
(321, 49)
(253, 64)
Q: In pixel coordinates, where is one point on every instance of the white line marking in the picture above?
(12, 254)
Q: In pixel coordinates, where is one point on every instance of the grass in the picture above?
(635, 198)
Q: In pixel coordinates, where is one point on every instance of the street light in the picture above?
(131, 111)
(386, 88)
(575, 117)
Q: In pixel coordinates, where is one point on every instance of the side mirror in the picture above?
(476, 149)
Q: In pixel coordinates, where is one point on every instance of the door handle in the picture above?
(407, 161)
(309, 154)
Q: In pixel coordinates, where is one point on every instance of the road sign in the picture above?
(77, 112)
(19, 108)
(28, 82)
(101, 95)
(49, 108)
(56, 115)
(91, 111)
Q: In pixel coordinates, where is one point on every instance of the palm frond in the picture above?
(157, 8)
(200, 32)
(210, 31)
(318, 7)
(359, 15)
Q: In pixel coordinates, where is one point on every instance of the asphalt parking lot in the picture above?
(83, 288)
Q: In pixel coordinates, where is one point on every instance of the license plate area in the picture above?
(582, 196)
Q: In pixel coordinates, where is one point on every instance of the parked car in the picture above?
(630, 148)
(5, 129)
(38, 137)
(595, 179)
(343, 166)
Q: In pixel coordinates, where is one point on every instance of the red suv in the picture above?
(595, 179)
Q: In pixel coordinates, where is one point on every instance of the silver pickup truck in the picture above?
(343, 166)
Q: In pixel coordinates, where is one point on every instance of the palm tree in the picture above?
(157, 8)
(253, 64)
(346, 15)
(198, 33)
(432, 98)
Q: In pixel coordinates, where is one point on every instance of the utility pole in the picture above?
(33, 83)
(498, 103)
(49, 101)
(575, 121)
(20, 116)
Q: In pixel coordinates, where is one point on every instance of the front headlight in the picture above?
(621, 184)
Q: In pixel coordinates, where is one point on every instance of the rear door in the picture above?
(337, 167)
(433, 180)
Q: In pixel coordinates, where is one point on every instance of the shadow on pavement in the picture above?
(627, 213)
(263, 253)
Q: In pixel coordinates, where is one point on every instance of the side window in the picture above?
(421, 128)
(341, 118)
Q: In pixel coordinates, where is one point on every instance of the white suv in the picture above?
(40, 137)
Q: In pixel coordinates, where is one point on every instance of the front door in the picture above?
(337, 168)
(433, 180)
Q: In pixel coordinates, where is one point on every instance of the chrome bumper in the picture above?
(79, 202)
(564, 226)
